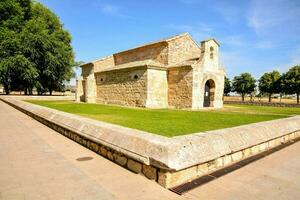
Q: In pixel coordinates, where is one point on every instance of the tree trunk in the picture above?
(6, 89)
(298, 97)
(50, 91)
(270, 98)
(243, 97)
(280, 97)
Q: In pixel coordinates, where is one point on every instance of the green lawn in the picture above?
(172, 122)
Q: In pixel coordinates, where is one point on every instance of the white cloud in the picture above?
(294, 60)
(109, 8)
(229, 11)
(264, 15)
(234, 40)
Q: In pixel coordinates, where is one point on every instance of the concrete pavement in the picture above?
(39, 163)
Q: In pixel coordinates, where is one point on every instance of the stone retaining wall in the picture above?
(169, 161)
(174, 178)
(256, 103)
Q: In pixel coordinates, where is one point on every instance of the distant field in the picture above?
(255, 99)
(172, 122)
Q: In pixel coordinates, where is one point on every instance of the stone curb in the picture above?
(169, 161)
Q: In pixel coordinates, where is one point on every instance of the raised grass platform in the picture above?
(169, 161)
(171, 122)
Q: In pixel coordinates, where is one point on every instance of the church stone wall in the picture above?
(123, 87)
(157, 88)
(104, 64)
(182, 49)
(157, 52)
(87, 70)
(180, 85)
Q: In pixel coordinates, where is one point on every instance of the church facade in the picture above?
(173, 73)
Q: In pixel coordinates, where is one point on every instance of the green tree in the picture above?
(13, 14)
(48, 46)
(291, 81)
(227, 86)
(243, 84)
(35, 49)
(270, 83)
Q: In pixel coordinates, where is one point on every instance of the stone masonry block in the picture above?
(286, 138)
(237, 156)
(278, 141)
(292, 136)
(172, 179)
(255, 149)
(120, 159)
(163, 179)
(150, 172)
(202, 169)
(212, 165)
(134, 166)
(246, 152)
(110, 155)
(227, 160)
(219, 162)
(103, 151)
(272, 143)
(263, 146)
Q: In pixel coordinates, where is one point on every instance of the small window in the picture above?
(211, 55)
(101, 79)
(135, 76)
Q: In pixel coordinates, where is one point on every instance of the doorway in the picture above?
(209, 92)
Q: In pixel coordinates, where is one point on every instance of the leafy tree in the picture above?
(13, 14)
(291, 81)
(35, 50)
(227, 86)
(270, 83)
(243, 84)
(48, 46)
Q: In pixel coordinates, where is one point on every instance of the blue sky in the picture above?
(256, 36)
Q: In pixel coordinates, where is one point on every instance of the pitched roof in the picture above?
(185, 63)
(211, 39)
(189, 62)
(144, 45)
(155, 42)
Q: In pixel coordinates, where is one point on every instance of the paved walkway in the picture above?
(39, 163)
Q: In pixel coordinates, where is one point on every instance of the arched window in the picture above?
(211, 49)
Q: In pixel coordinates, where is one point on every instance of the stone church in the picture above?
(173, 73)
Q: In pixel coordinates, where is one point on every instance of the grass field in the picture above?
(171, 123)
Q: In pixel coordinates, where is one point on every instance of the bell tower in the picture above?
(210, 54)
